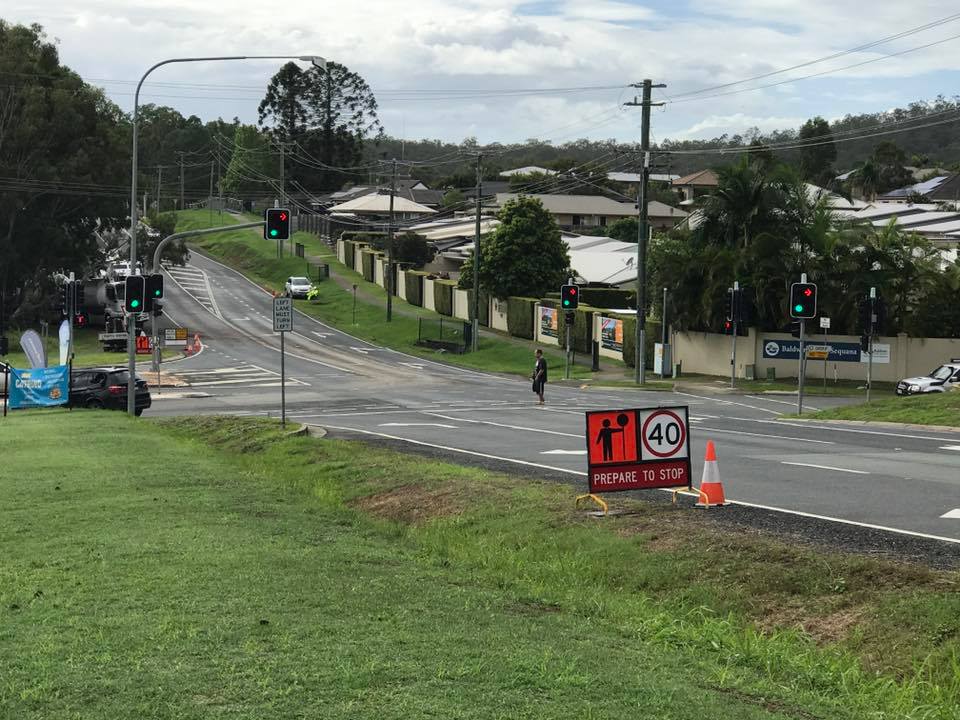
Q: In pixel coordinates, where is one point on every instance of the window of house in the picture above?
(603, 221)
(576, 220)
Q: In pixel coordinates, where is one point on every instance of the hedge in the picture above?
(443, 296)
(348, 254)
(366, 260)
(629, 339)
(484, 306)
(414, 282)
(520, 320)
(581, 339)
(608, 298)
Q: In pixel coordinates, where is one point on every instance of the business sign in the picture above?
(638, 449)
(548, 322)
(881, 354)
(790, 350)
(611, 333)
(39, 387)
(282, 314)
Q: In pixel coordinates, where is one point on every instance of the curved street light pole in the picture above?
(132, 325)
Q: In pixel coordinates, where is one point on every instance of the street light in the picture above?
(316, 60)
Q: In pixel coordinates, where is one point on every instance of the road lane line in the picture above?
(825, 467)
(781, 402)
(580, 473)
(503, 425)
(950, 447)
(439, 425)
(564, 452)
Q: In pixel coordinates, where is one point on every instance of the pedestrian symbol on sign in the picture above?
(612, 438)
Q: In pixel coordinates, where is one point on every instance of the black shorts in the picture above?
(538, 386)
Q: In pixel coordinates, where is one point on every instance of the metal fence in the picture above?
(444, 334)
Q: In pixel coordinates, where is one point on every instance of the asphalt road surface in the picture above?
(903, 480)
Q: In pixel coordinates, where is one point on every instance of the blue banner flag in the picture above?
(39, 387)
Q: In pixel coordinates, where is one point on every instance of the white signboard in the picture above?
(664, 433)
(881, 354)
(282, 314)
(824, 323)
(175, 337)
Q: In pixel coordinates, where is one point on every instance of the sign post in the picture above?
(637, 449)
(825, 325)
(283, 323)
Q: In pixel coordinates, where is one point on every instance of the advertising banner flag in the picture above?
(34, 349)
(64, 341)
(39, 387)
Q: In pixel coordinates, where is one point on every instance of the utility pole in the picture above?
(803, 365)
(210, 198)
(159, 182)
(182, 206)
(735, 311)
(475, 339)
(219, 187)
(641, 336)
(870, 329)
(389, 283)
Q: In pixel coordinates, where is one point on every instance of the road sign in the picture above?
(824, 323)
(282, 314)
(175, 337)
(638, 449)
(144, 346)
(818, 352)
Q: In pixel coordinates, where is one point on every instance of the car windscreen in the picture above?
(299, 281)
(942, 373)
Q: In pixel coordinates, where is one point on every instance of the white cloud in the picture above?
(717, 125)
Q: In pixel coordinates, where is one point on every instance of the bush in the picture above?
(348, 254)
(581, 337)
(608, 298)
(484, 307)
(443, 296)
(630, 339)
(520, 320)
(414, 282)
(366, 259)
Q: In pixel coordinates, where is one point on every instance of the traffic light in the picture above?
(865, 313)
(153, 290)
(79, 297)
(794, 328)
(156, 306)
(570, 297)
(133, 298)
(803, 300)
(728, 303)
(743, 306)
(66, 290)
(865, 343)
(277, 224)
(728, 327)
(81, 319)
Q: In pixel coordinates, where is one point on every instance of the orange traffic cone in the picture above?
(711, 489)
(197, 347)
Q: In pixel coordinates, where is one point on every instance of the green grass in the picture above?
(87, 350)
(929, 409)
(256, 258)
(248, 574)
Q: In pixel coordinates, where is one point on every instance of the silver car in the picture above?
(940, 380)
(297, 287)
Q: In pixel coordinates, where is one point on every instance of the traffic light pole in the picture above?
(870, 329)
(803, 324)
(733, 347)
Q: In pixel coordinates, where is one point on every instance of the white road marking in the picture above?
(950, 447)
(825, 467)
(564, 452)
(707, 430)
(322, 336)
(415, 366)
(952, 514)
(781, 402)
(580, 473)
(439, 425)
(359, 350)
(503, 425)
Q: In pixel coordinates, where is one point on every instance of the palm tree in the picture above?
(867, 178)
(733, 212)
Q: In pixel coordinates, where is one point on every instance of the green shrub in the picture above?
(608, 298)
(414, 283)
(366, 259)
(520, 320)
(348, 253)
(443, 296)
(630, 340)
(484, 306)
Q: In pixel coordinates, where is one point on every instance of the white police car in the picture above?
(944, 378)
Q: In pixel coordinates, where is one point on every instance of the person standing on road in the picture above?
(539, 375)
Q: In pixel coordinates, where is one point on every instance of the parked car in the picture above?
(107, 388)
(944, 378)
(297, 287)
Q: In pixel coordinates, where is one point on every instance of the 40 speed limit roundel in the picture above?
(663, 434)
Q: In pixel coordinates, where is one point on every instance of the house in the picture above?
(453, 239)
(589, 211)
(487, 189)
(694, 185)
(377, 205)
(634, 178)
(942, 188)
(528, 170)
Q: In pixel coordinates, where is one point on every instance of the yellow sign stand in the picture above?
(593, 498)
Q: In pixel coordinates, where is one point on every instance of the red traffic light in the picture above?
(283, 216)
(808, 292)
(573, 291)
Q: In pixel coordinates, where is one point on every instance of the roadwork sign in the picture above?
(638, 449)
(282, 314)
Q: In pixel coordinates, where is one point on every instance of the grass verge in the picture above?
(247, 573)
(928, 409)
(256, 258)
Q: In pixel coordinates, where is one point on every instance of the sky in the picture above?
(509, 70)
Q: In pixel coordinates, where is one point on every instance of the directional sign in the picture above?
(282, 314)
(638, 449)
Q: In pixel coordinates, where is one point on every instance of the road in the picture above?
(900, 480)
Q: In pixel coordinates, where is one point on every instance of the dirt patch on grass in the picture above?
(832, 627)
(413, 504)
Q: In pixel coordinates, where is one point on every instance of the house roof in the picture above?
(594, 205)
(380, 204)
(701, 178)
(528, 170)
(926, 188)
(912, 219)
(627, 177)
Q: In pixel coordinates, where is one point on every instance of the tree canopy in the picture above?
(524, 256)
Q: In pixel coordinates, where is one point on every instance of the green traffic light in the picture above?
(798, 308)
(274, 233)
(134, 303)
(566, 302)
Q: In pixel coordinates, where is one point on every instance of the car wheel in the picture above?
(94, 405)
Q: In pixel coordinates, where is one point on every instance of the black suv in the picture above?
(106, 388)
